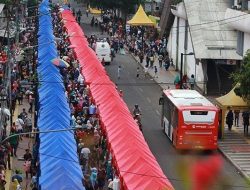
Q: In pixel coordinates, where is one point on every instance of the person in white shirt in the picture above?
(19, 125)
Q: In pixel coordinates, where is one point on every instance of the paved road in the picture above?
(146, 92)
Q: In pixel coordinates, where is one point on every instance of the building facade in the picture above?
(209, 31)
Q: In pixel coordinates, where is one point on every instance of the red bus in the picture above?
(189, 120)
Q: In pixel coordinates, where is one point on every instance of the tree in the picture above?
(242, 78)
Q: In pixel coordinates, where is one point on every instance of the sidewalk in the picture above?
(17, 162)
(236, 148)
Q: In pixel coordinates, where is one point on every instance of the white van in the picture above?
(102, 50)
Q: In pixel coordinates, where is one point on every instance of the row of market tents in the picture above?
(59, 164)
(136, 166)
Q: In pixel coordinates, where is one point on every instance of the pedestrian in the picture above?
(24, 114)
(13, 140)
(19, 125)
(166, 63)
(93, 177)
(229, 119)
(147, 60)
(84, 156)
(31, 102)
(245, 116)
(155, 71)
(160, 59)
(236, 117)
(17, 176)
(20, 97)
(33, 182)
(92, 21)
(152, 59)
(119, 72)
(79, 14)
(27, 162)
(87, 12)
(137, 72)
(146, 71)
(110, 184)
(191, 82)
(177, 81)
(101, 176)
(141, 57)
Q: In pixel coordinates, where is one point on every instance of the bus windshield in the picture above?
(198, 116)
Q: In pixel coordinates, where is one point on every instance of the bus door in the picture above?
(167, 127)
(168, 115)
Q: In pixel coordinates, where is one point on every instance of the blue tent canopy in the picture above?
(59, 164)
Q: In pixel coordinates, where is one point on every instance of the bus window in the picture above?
(166, 109)
(198, 116)
(174, 117)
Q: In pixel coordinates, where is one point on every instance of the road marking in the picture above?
(148, 99)
(141, 89)
(158, 113)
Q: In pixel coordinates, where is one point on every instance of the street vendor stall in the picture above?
(229, 100)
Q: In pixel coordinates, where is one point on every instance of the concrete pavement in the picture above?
(17, 162)
(236, 148)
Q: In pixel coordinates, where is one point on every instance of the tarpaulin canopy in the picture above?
(133, 157)
(230, 100)
(59, 163)
(140, 19)
(94, 11)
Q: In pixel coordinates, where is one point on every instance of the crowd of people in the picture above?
(233, 117)
(142, 42)
(18, 58)
(92, 144)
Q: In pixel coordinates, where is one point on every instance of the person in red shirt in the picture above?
(80, 134)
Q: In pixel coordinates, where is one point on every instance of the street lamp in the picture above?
(181, 72)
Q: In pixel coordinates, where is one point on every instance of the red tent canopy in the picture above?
(136, 165)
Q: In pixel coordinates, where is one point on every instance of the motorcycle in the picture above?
(137, 119)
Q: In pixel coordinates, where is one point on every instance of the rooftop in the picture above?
(187, 98)
(211, 36)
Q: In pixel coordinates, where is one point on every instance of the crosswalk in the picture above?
(236, 147)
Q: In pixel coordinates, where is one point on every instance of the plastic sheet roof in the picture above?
(136, 165)
(59, 165)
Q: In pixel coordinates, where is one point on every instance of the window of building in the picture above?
(240, 43)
